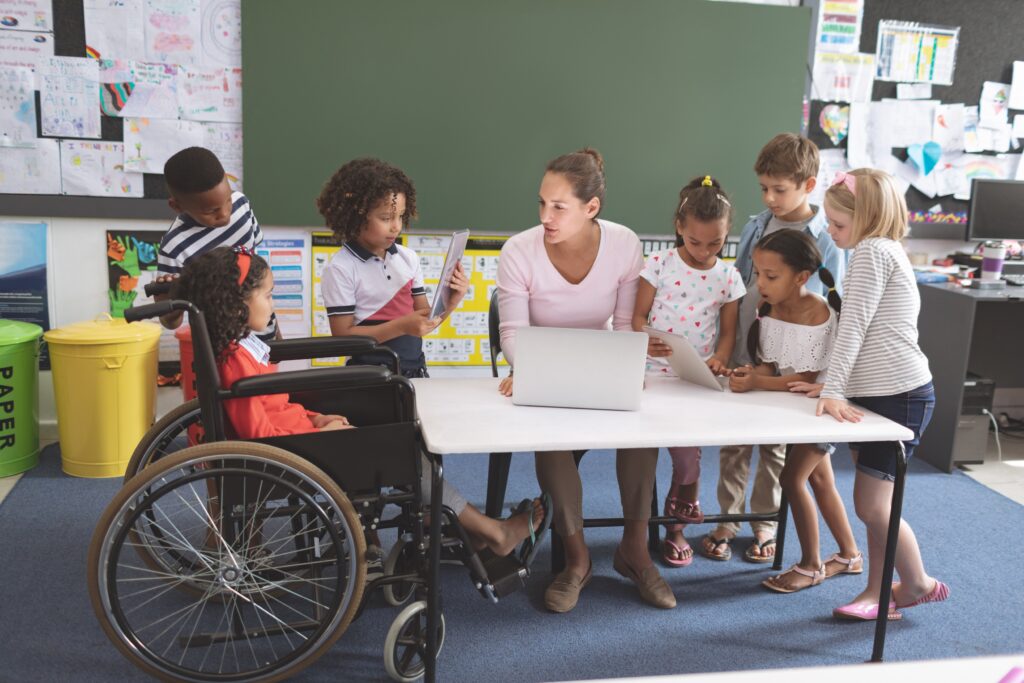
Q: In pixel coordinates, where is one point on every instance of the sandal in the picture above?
(816, 577)
(672, 553)
(726, 553)
(854, 565)
(531, 544)
(749, 555)
(687, 512)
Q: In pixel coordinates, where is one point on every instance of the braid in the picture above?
(754, 334)
(834, 300)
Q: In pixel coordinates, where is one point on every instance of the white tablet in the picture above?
(443, 293)
(686, 362)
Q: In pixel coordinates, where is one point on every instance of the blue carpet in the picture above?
(970, 537)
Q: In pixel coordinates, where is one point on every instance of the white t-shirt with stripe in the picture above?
(370, 288)
(875, 351)
(187, 238)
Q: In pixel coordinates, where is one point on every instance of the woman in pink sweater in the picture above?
(575, 270)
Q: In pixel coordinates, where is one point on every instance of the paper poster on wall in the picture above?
(138, 89)
(96, 169)
(225, 140)
(114, 28)
(172, 31)
(210, 94)
(912, 52)
(1017, 86)
(26, 15)
(17, 107)
(948, 127)
(288, 257)
(222, 32)
(830, 162)
(23, 294)
(993, 105)
(323, 247)
(69, 97)
(149, 143)
(1001, 167)
(843, 77)
(839, 25)
(30, 170)
(23, 48)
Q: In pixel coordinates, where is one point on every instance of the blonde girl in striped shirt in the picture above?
(876, 364)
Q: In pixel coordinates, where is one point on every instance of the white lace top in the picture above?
(797, 348)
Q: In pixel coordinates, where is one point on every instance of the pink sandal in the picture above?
(815, 575)
(864, 611)
(937, 594)
(685, 511)
(672, 553)
(854, 565)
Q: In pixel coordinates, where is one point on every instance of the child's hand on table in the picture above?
(742, 379)
(812, 389)
(719, 366)
(839, 409)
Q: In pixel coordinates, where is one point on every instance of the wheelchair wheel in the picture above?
(275, 571)
(406, 642)
(401, 560)
(175, 431)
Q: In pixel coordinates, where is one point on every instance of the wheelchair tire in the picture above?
(406, 642)
(248, 616)
(167, 435)
(398, 562)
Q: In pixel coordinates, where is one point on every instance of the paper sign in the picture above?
(913, 91)
(149, 143)
(1017, 86)
(839, 25)
(172, 31)
(843, 77)
(995, 97)
(17, 107)
(30, 170)
(69, 97)
(21, 48)
(210, 94)
(96, 169)
(26, 15)
(114, 29)
(948, 127)
(1018, 126)
(138, 89)
(222, 32)
(225, 140)
(830, 162)
(916, 53)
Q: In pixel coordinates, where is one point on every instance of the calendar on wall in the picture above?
(462, 339)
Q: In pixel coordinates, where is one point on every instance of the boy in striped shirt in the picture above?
(209, 215)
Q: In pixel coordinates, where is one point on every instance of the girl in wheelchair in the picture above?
(233, 288)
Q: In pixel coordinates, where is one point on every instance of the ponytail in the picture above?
(754, 334)
(834, 300)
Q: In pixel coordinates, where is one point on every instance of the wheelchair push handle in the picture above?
(156, 310)
(154, 288)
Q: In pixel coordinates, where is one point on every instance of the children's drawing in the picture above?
(222, 32)
(69, 96)
(96, 169)
(172, 30)
(17, 107)
(149, 143)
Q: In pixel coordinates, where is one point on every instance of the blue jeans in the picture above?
(912, 409)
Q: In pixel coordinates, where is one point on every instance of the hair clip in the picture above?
(821, 267)
(723, 200)
(243, 256)
(847, 179)
(682, 204)
(831, 289)
(239, 249)
(707, 182)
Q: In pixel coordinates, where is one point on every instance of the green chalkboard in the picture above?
(472, 97)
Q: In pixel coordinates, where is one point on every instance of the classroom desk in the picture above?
(470, 416)
(966, 330)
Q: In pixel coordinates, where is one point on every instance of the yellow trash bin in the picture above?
(104, 379)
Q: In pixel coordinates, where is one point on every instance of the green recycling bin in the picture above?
(19, 396)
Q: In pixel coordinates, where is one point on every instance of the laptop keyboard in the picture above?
(1016, 279)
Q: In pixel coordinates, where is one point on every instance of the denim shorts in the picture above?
(912, 409)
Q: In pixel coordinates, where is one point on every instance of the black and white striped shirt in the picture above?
(186, 238)
(875, 351)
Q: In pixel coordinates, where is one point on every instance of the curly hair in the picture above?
(800, 252)
(210, 282)
(355, 188)
(704, 199)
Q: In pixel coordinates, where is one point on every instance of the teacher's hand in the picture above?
(505, 387)
(839, 409)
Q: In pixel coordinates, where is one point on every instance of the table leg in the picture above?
(654, 530)
(891, 540)
(433, 581)
(497, 483)
(780, 531)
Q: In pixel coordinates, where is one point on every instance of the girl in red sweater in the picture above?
(233, 288)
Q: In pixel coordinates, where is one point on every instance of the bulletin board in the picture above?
(68, 38)
(988, 46)
(462, 339)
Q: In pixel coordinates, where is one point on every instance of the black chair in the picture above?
(500, 463)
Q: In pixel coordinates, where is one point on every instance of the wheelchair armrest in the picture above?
(320, 347)
(309, 380)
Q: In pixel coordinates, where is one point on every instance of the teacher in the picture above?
(576, 270)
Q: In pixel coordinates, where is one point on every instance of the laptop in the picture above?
(686, 362)
(571, 368)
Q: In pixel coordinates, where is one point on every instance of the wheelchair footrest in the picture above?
(507, 574)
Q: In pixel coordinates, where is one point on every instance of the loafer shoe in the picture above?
(564, 592)
(653, 589)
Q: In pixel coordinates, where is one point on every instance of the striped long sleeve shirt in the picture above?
(186, 238)
(875, 351)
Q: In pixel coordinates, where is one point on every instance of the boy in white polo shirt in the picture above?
(373, 283)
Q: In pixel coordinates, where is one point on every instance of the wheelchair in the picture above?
(245, 560)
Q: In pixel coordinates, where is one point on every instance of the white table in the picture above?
(470, 416)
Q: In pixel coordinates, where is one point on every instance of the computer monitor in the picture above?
(996, 210)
